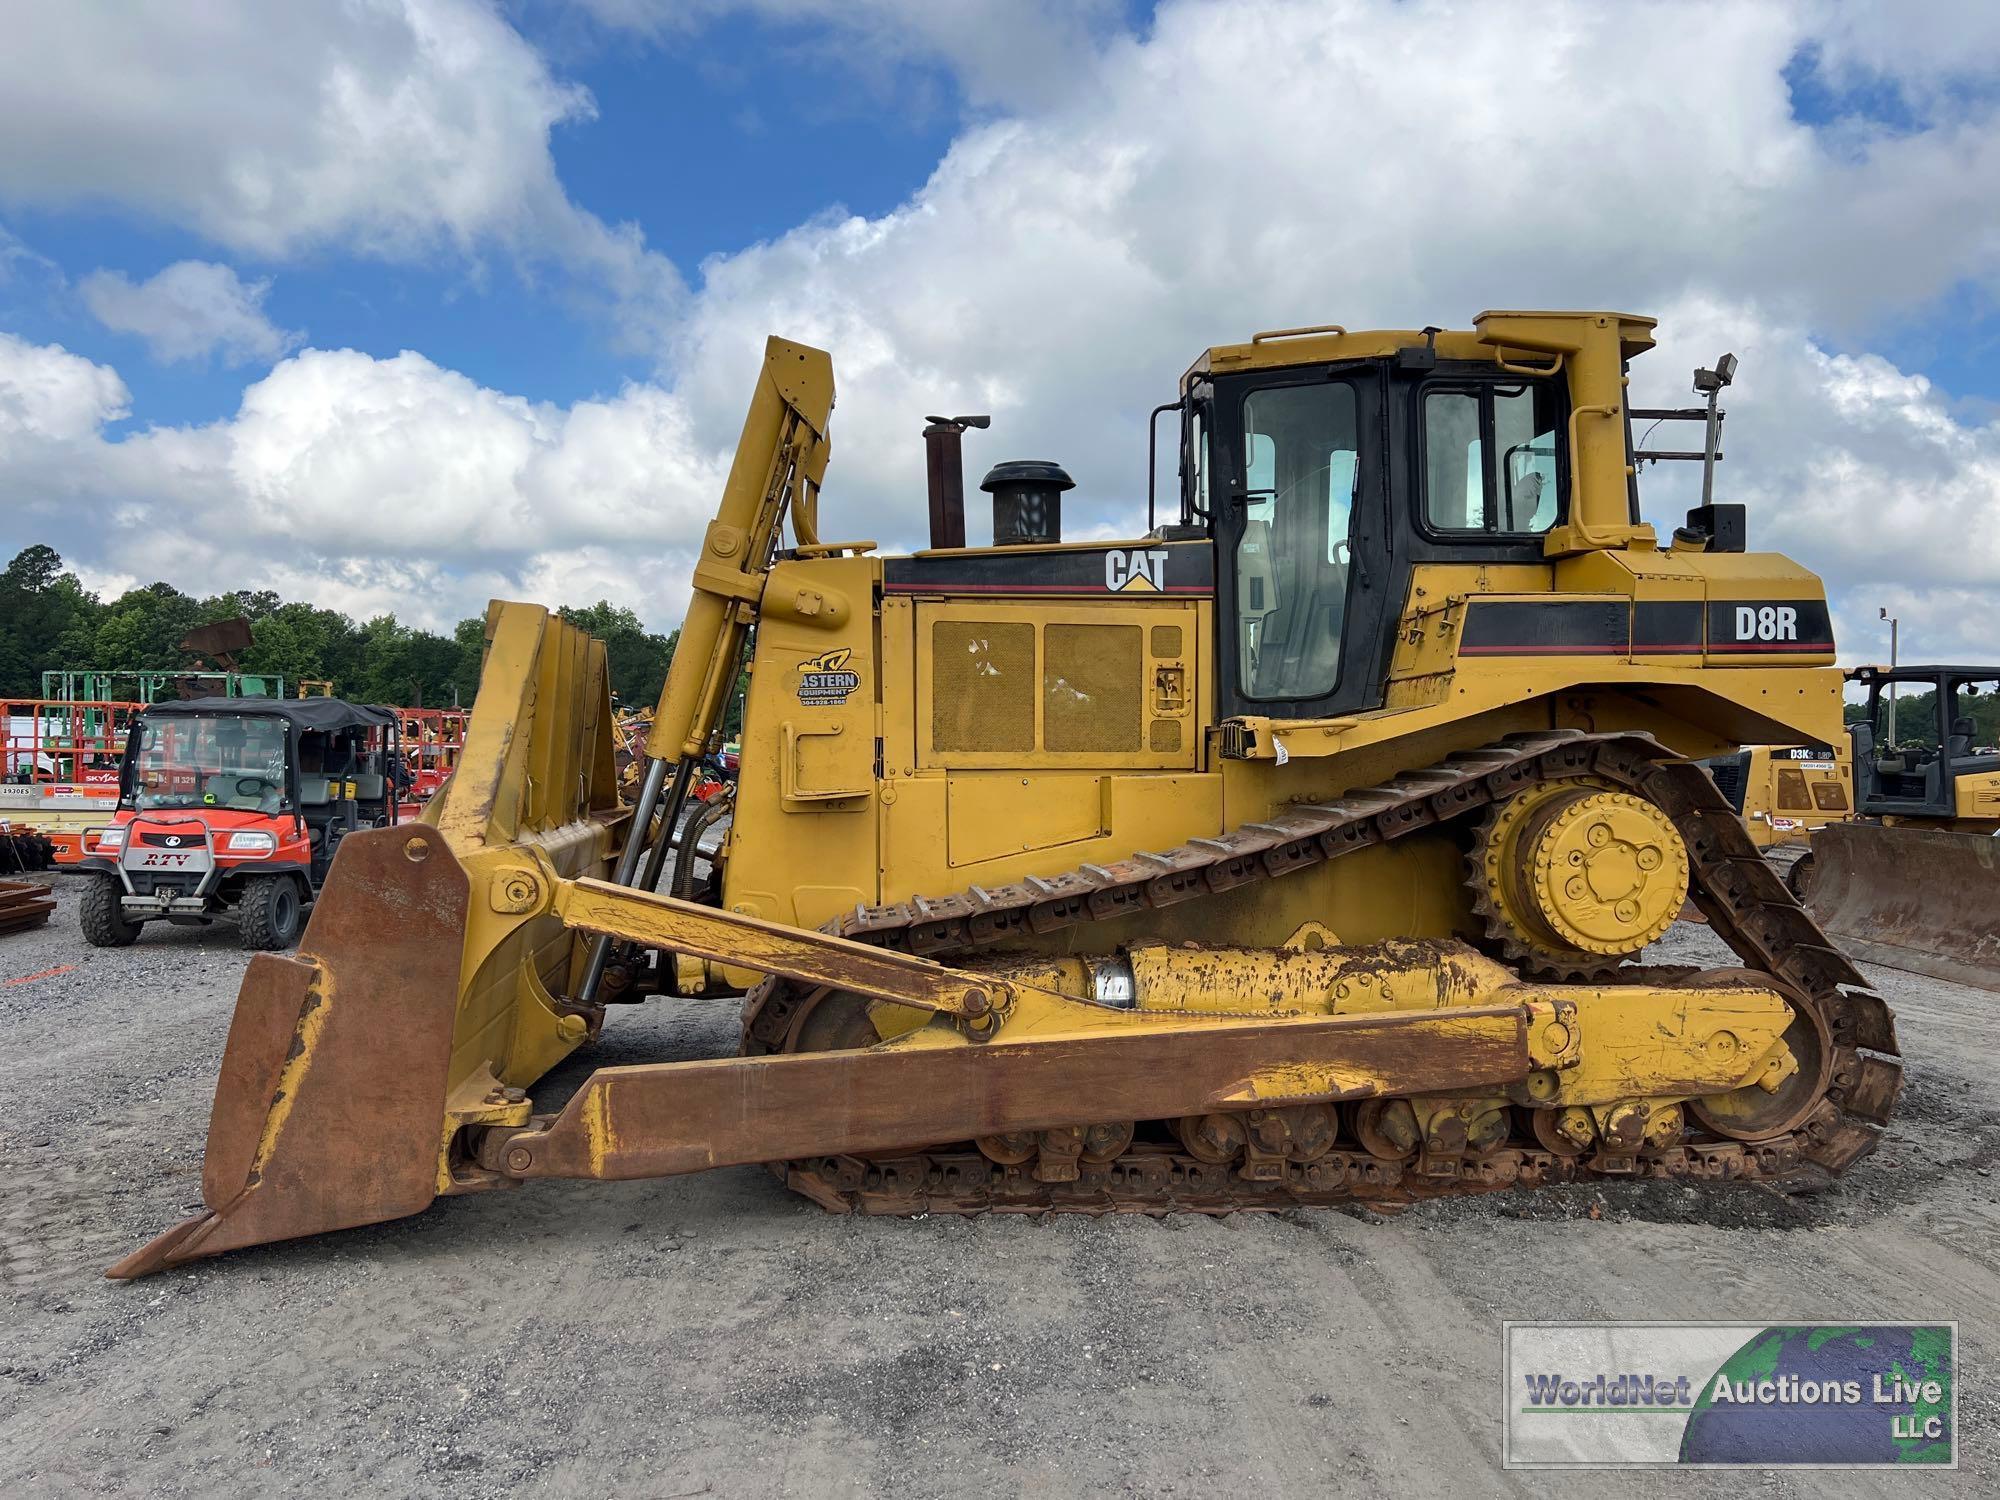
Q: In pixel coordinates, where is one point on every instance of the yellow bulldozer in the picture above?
(1785, 794)
(1914, 881)
(1304, 848)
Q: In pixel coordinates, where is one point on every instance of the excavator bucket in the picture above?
(405, 1014)
(1919, 899)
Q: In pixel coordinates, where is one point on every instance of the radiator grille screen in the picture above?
(1830, 796)
(1166, 640)
(1091, 687)
(1165, 738)
(982, 686)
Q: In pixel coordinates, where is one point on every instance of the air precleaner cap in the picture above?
(1027, 500)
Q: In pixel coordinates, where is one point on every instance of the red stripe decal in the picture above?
(1040, 588)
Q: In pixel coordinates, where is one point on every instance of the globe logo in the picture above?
(1902, 1374)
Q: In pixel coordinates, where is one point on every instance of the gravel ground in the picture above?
(715, 1335)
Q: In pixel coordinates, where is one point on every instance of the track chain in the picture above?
(1745, 901)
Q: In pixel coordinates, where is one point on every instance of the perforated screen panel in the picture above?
(1166, 641)
(1164, 738)
(983, 685)
(1092, 687)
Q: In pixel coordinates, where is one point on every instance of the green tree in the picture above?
(47, 619)
(1916, 717)
(142, 628)
(469, 655)
(636, 658)
(301, 644)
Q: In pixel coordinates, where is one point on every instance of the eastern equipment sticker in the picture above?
(824, 680)
(1731, 1395)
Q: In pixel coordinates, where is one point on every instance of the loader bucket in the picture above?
(415, 1003)
(1918, 899)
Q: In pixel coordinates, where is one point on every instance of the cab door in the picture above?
(1302, 523)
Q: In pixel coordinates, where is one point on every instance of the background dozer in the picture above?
(1300, 849)
(1914, 881)
(1785, 793)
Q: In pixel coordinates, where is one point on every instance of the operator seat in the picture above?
(1945, 763)
(1959, 742)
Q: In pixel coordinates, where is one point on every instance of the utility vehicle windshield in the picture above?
(227, 760)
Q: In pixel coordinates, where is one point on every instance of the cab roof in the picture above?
(1280, 347)
(326, 714)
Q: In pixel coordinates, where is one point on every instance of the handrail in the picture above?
(1500, 359)
(1294, 333)
(1576, 519)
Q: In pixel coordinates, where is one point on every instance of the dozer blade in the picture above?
(412, 1009)
(1919, 899)
(424, 997)
(334, 1077)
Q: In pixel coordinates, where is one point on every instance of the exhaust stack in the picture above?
(944, 467)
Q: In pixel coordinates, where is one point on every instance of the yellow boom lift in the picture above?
(1301, 849)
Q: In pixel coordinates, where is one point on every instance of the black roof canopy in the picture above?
(1921, 674)
(327, 714)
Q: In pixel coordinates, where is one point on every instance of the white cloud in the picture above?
(49, 395)
(1860, 470)
(188, 311)
(364, 484)
(1259, 164)
(1006, 53)
(393, 128)
(1263, 164)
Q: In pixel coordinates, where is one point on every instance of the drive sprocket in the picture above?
(1573, 876)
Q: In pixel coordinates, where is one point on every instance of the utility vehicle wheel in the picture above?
(102, 919)
(271, 915)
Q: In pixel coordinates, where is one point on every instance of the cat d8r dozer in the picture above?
(1302, 849)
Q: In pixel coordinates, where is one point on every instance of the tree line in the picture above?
(50, 622)
(1916, 719)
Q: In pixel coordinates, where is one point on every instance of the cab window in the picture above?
(1300, 451)
(1490, 460)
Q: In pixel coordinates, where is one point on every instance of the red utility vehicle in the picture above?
(233, 808)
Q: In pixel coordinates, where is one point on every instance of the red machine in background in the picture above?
(59, 767)
(432, 740)
(232, 809)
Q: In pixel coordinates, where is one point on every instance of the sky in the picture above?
(396, 305)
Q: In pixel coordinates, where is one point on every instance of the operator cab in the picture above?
(1923, 728)
(1324, 482)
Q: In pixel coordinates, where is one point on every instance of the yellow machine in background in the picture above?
(1914, 881)
(1786, 793)
(1299, 849)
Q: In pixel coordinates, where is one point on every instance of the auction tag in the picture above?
(1731, 1395)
